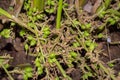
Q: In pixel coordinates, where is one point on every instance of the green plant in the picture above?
(50, 6)
(52, 59)
(5, 33)
(27, 73)
(58, 51)
(38, 4)
(5, 66)
(59, 12)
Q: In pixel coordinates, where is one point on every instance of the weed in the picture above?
(58, 40)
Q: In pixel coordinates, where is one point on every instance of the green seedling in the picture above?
(73, 54)
(83, 27)
(52, 59)
(88, 42)
(101, 10)
(102, 14)
(111, 64)
(40, 17)
(111, 21)
(26, 46)
(27, 73)
(22, 32)
(46, 31)
(86, 33)
(92, 46)
(76, 44)
(5, 33)
(39, 66)
(51, 5)
(86, 26)
(100, 35)
(12, 24)
(32, 40)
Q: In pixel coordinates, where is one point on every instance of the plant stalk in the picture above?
(38, 4)
(59, 12)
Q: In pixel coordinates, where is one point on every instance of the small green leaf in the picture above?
(33, 42)
(100, 35)
(28, 69)
(30, 37)
(26, 47)
(22, 32)
(12, 24)
(25, 77)
(40, 70)
(111, 65)
(52, 55)
(92, 46)
(46, 28)
(86, 34)
(76, 44)
(5, 33)
(73, 54)
(88, 42)
(83, 27)
(88, 26)
(29, 74)
(47, 32)
(37, 62)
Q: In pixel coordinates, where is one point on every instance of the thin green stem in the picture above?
(62, 71)
(22, 24)
(11, 78)
(5, 13)
(59, 12)
(107, 71)
(80, 33)
(16, 20)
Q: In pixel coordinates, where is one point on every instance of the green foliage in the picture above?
(26, 47)
(46, 31)
(28, 73)
(5, 13)
(5, 33)
(51, 6)
(22, 32)
(73, 54)
(74, 44)
(86, 75)
(38, 4)
(59, 12)
(32, 40)
(39, 66)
